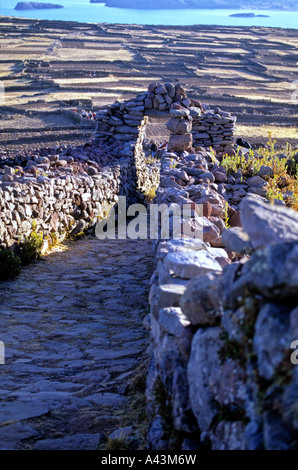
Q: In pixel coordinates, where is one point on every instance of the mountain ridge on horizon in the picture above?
(203, 4)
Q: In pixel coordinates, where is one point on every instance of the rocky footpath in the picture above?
(72, 326)
(223, 315)
(64, 194)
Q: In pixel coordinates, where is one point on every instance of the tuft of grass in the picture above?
(30, 249)
(231, 349)
(136, 411)
(120, 443)
(226, 215)
(151, 160)
(150, 194)
(173, 164)
(230, 413)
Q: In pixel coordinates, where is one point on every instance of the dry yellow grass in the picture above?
(262, 131)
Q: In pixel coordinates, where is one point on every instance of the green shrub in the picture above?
(10, 265)
(30, 249)
(285, 171)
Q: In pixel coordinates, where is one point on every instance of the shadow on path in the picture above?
(73, 332)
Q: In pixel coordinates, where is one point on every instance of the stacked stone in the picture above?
(220, 330)
(121, 120)
(179, 125)
(215, 128)
(60, 203)
(161, 96)
(147, 176)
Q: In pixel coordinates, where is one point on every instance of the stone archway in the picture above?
(199, 125)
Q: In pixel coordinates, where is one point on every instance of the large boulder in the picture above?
(203, 362)
(179, 126)
(268, 224)
(190, 264)
(179, 143)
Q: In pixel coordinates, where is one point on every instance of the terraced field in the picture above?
(51, 67)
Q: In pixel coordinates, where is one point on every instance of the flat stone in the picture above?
(20, 410)
(108, 399)
(182, 112)
(74, 442)
(191, 264)
(11, 435)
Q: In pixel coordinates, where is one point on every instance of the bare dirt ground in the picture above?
(49, 67)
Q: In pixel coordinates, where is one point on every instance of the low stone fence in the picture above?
(68, 198)
(215, 128)
(222, 372)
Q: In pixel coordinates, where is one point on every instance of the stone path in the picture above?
(73, 332)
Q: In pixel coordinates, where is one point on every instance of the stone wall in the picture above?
(222, 321)
(214, 128)
(121, 121)
(58, 195)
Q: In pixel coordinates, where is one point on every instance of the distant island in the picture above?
(285, 5)
(35, 6)
(249, 15)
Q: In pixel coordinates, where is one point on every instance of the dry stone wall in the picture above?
(207, 127)
(57, 196)
(215, 128)
(222, 320)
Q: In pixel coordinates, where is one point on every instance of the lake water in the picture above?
(84, 11)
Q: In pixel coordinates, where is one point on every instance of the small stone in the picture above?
(160, 90)
(182, 112)
(235, 239)
(207, 176)
(170, 89)
(265, 171)
(256, 182)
